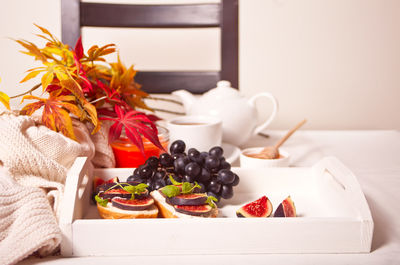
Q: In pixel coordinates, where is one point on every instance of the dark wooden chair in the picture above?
(76, 14)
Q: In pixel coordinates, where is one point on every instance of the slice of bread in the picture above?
(167, 211)
(111, 212)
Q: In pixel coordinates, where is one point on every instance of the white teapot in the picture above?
(239, 115)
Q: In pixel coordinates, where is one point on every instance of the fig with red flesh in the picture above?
(258, 208)
(101, 185)
(286, 208)
(188, 199)
(105, 192)
(132, 205)
(109, 194)
(196, 210)
(97, 182)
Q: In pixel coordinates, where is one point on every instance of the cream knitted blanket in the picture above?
(37, 160)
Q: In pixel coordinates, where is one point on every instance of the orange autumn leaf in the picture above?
(33, 50)
(73, 86)
(54, 116)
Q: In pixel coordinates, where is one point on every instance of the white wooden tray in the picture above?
(333, 217)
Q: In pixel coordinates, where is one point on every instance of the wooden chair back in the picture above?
(76, 14)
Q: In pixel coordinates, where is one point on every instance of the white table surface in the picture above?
(373, 156)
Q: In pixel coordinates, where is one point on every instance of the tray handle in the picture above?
(347, 181)
(71, 206)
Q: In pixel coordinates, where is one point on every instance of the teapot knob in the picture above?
(223, 83)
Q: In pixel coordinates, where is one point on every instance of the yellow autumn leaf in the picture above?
(91, 110)
(31, 75)
(5, 99)
(47, 78)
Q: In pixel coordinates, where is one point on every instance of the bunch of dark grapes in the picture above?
(209, 169)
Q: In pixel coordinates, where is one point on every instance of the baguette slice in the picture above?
(111, 212)
(167, 211)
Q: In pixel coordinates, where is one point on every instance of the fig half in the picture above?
(258, 208)
(188, 199)
(196, 210)
(132, 205)
(105, 192)
(286, 208)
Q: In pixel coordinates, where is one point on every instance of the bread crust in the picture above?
(112, 213)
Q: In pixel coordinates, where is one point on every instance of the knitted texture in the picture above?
(27, 223)
(37, 160)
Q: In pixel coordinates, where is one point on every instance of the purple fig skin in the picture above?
(140, 205)
(279, 211)
(189, 199)
(286, 208)
(106, 195)
(123, 194)
(202, 210)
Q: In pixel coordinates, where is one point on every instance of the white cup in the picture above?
(200, 132)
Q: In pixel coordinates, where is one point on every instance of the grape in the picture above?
(152, 162)
(216, 151)
(211, 162)
(214, 186)
(204, 176)
(210, 169)
(135, 178)
(180, 164)
(177, 147)
(226, 192)
(203, 156)
(236, 181)
(224, 165)
(187, 178)
(145, 172)
(166, 160)
(202, 188)
(175, 156)
(159, 184)
(225, 176)
(194, 155)
(192, 169)
(210, 193)
(149, 182)
(159, 174)
(175, 177)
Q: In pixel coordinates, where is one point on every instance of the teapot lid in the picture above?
(223, 89)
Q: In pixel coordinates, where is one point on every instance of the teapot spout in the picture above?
(186, 97)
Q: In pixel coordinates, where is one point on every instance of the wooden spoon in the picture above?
(272, 152)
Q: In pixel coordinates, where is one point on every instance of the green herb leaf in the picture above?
(171, 191)
(173, 181)
(186, 187)
(130, 189)
(211, 201)
(141, 187)
(101, 201)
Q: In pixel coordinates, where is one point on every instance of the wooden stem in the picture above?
(168, 111)
(165, 99)
(27, 92)
(281, 141)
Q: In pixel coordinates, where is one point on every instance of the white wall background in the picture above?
(335, 62)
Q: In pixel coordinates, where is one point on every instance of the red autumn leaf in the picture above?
(79, 49)
(84, 82)
(136, 125)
